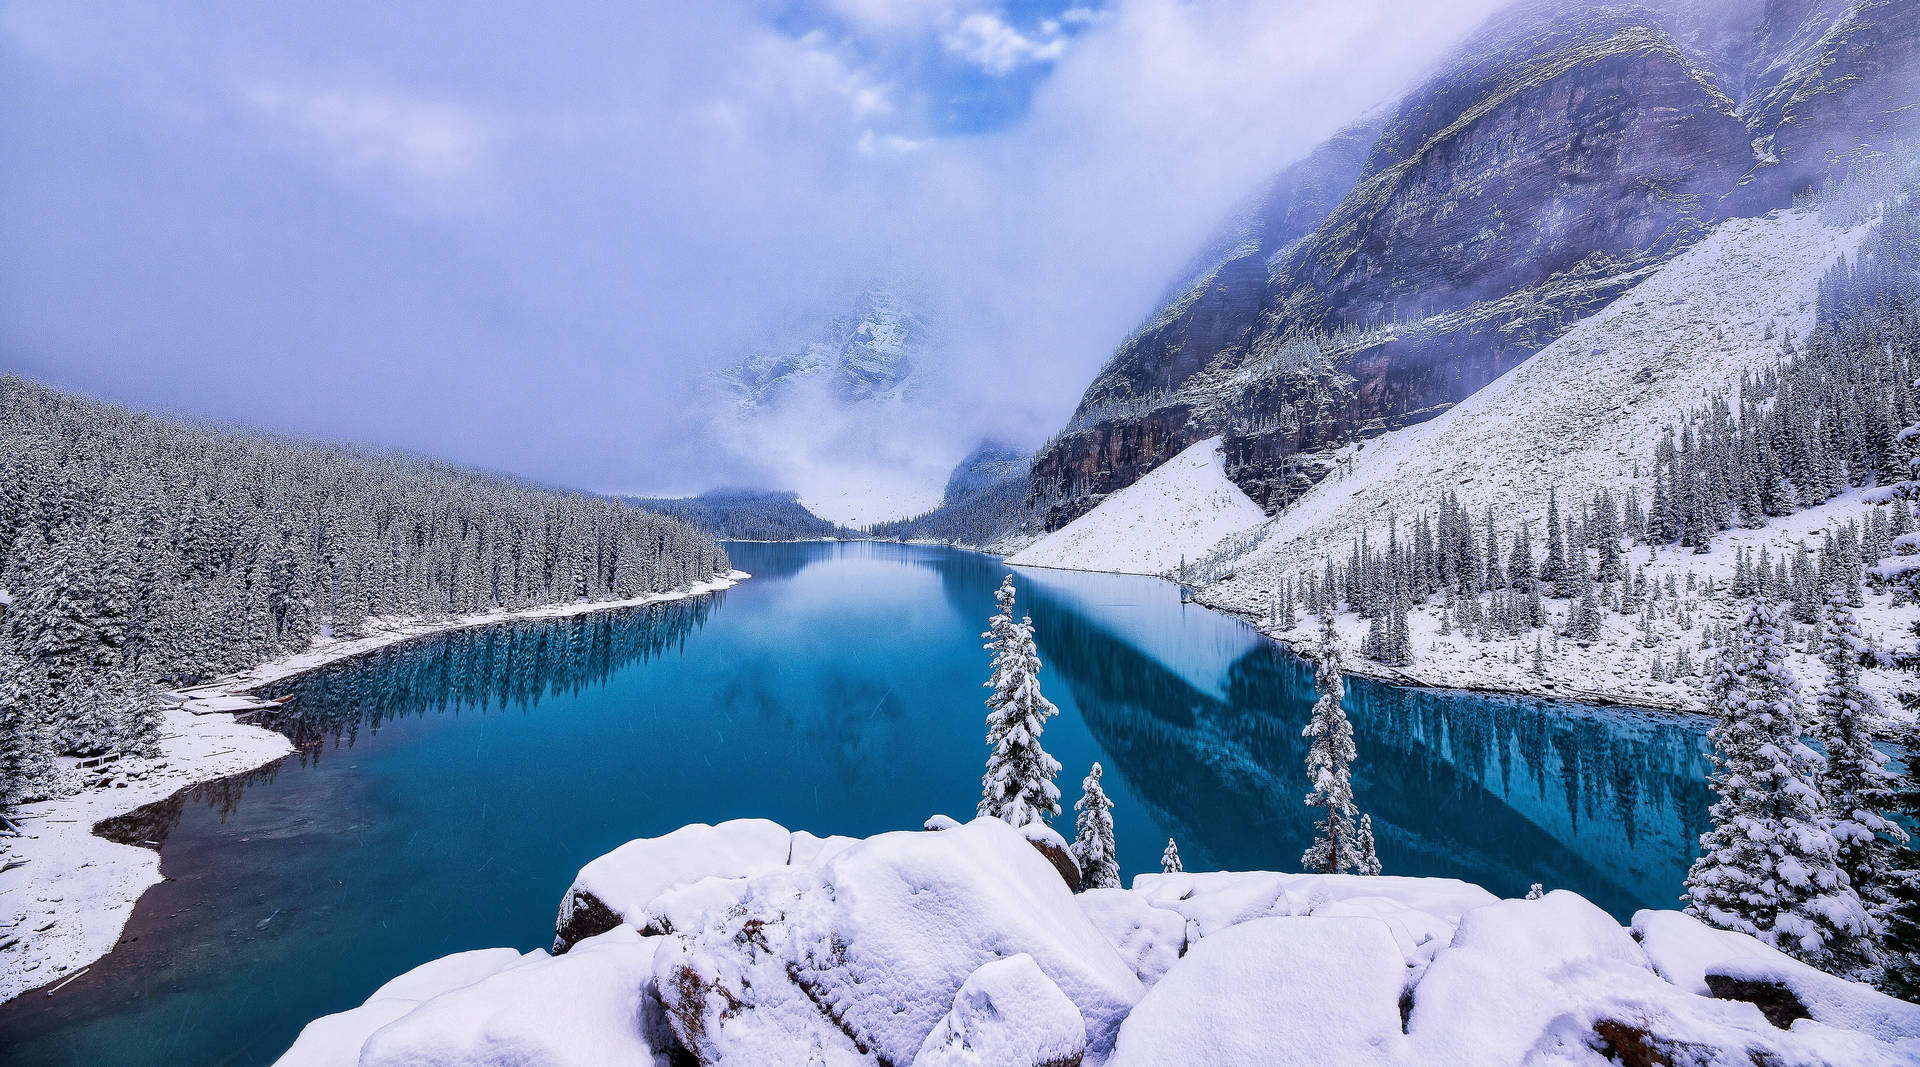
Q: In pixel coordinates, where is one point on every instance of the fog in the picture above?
(524, 237)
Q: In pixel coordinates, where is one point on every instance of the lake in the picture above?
(444, 792)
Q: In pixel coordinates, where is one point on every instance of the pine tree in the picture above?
(1018, 785)
(1369, 863)
(1170, 859)
(1093, 845)
(1330, 765)
(1855, 786)
(1001, 638)
(1769, 866)
(1583, 622)
(26, 764)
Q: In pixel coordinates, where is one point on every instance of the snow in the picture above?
(337, 1038)
(1583, 414)
(1684, 951)
(583, 1009)
(495, 1006)
(67, 894)
(1179, 511)
(630, 877)
(868, 950)
(1262, 993)
(963, 946)
(1008, 1012)
(1149, 938)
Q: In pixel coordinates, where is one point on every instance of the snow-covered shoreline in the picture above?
(66, 894)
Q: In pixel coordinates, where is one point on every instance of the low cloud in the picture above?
(525, 238)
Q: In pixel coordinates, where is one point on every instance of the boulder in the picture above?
(1282, 991)
(1048, 842)
(1008, 1013)
(336, 1039)
(619, 886)
(1042, 837)
(593, 1006)
(1737, 967)
(859, 958)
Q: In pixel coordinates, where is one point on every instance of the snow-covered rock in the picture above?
(338, 1038)
(592, 1006)
(859, 958)
(1149, 938)
(1008, 1013)
(1262, 993)
(618, 886)
(964, 946)
(1179, 511)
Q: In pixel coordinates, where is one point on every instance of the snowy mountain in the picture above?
(842, 412)
(870, 353)
(1561, 155)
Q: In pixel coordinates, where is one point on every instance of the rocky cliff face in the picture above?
(1561, 155)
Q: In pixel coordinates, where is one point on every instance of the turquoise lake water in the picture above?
(446, 791)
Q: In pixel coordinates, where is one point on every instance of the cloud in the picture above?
(991, 43)
(523, 238)
(435, 150)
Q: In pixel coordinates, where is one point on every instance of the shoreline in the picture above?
(66, 894)
(1357, 664)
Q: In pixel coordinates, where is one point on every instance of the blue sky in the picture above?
(519, 235)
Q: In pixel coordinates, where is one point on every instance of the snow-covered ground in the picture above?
(1583, 414)
(1617, 668)
(742, 943)
(65, 894)
(1178, 512)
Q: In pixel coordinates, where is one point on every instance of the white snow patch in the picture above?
(1269, 992)
(1179, 511)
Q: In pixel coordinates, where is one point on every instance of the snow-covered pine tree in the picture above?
(1855, 785)
(1335, 849)
(1018, 786)
(26, 764)
(1554, 569)
(1170, 859)
(1000, 638)
(1093, 842)
(1369, 863)
(1769, 866)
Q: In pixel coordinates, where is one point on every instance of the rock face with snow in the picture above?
(1564, 151)
(870, 352)
(1584, 413)
(1177, 513)
(965, 947)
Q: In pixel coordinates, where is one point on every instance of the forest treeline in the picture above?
(139, 552)
(747, 515)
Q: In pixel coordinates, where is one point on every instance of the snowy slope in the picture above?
(1181, 510)
(1584, 413)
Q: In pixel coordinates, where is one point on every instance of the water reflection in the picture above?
(1503, 791)
(509, 666)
